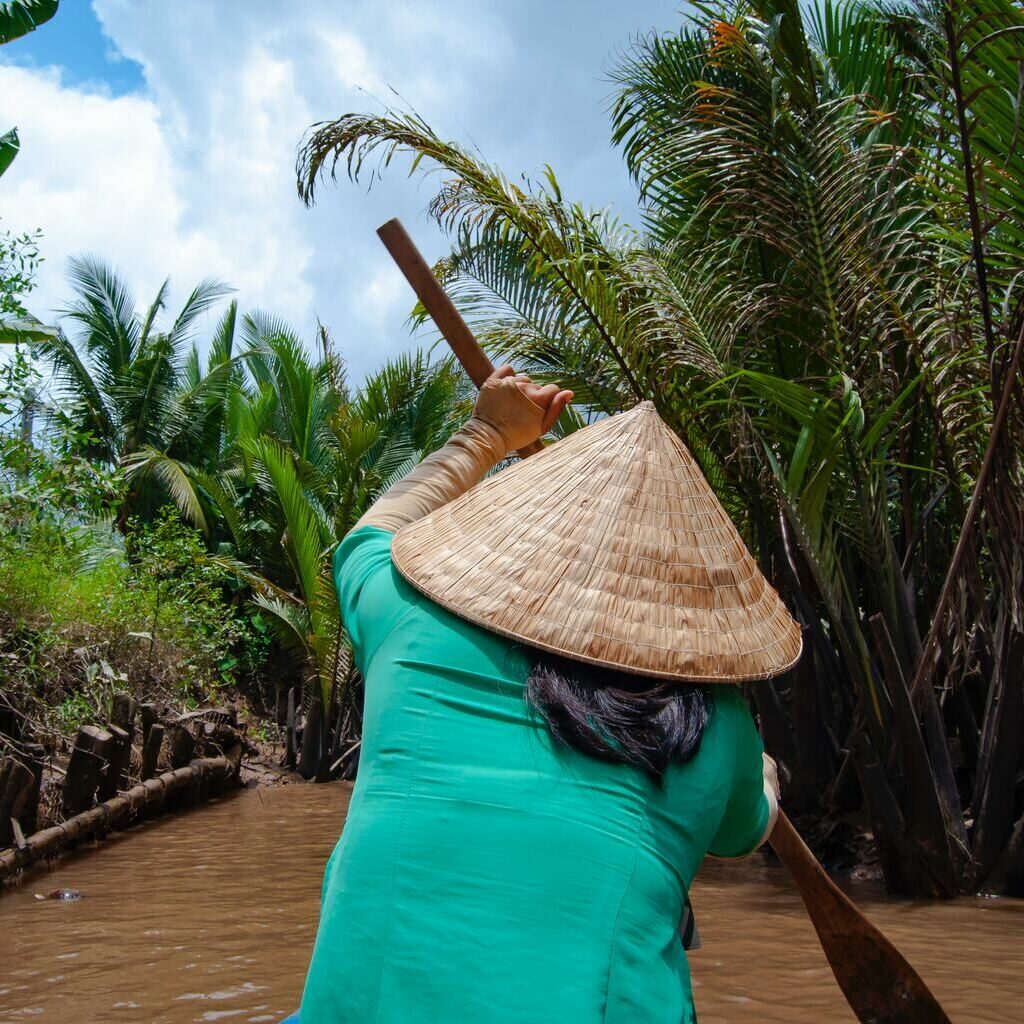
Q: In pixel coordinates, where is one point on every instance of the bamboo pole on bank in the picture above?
(212, 770)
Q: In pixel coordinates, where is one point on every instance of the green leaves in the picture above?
(978, 162)
(19, 261)
(19, 17)
(140, 392)
(9, 146)
(820, 304)
(174, 477)
(302, 459)
(24, 331)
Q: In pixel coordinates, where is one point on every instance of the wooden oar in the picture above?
(878, 983)
(441, 308)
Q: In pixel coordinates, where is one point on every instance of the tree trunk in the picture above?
(888, 825)
(312, 753)
(289, 731)
(1000, 753)
(1008, 876)
(927, 830)
(815, 745)
(775, 731)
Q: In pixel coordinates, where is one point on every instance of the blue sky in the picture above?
(161, 137)
(74, 41)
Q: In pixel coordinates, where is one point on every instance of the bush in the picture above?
(82, 616)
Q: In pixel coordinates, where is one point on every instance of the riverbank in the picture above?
(213, 919)
(140, 763)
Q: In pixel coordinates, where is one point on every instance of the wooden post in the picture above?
(88, 759)
(19, 786)
(149, 794)
(147, 715)
(195, 793)
(118, 760)
(199, 737)
(123, 712)
(151, 750)
(182, 746)
(14, 787)
(35, 761)
(5, 770)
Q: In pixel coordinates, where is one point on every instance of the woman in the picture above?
(539, 782)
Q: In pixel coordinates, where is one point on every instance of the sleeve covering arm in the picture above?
(752, 805)
(440, 478)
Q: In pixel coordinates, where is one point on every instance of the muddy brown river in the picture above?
(210, 916)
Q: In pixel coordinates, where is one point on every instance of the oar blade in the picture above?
(877, 981)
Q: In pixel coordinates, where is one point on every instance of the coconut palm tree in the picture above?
(142, 394)
(262, 445)
(822, 302)
(302, 457)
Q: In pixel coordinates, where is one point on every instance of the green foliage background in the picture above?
(823, 299)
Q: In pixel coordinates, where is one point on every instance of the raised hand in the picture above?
(519, 409)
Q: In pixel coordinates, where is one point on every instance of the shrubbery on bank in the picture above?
(83, 615)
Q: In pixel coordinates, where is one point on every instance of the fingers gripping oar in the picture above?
(878, 983)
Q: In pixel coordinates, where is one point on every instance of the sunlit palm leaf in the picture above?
(176, 478)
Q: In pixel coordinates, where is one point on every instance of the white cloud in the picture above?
(351, 63)
(102, 174)
(385, 290)
(195, 177)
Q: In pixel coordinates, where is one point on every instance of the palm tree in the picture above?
(402, 413)
(812, 304)
(263, 446)
(302, 457)
(143, 396)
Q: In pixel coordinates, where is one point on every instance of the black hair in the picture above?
(619, 717)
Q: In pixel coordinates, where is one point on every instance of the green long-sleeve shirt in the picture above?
(487, 875)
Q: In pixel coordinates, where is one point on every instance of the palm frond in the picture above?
(176, 478)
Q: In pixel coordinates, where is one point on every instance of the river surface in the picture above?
(210, 916)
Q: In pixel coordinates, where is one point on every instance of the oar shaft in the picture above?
(440, 307)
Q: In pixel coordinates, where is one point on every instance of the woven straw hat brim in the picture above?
(609, 548)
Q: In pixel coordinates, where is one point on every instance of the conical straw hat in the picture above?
(608, 547)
